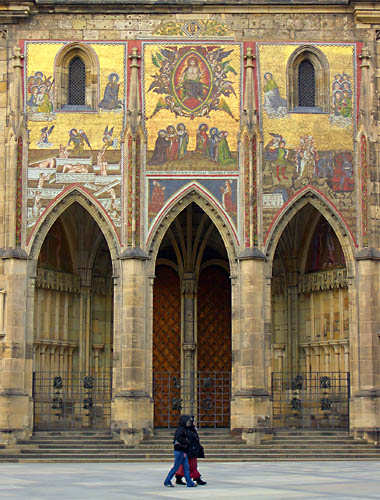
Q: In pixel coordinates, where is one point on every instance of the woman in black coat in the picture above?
(194, 451)
(180, 452)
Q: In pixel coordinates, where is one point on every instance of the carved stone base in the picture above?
(16, 412)
(132, 417)
(251, 415)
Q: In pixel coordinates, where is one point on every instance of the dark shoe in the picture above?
(178, 480)
(169, 485)
(199, 481)
(192, 485)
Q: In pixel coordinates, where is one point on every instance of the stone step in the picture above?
(105, 442)
(73, 433)
(220, 446)
(210, 452)
(302, 434)
(221, 460)
(147, 457)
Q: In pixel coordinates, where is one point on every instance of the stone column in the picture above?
(365, 348)
(16, 420)
(250, 404)
(16, 415)
(132, 404)
(189, 304)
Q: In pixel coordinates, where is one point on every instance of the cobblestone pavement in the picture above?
(266, 481)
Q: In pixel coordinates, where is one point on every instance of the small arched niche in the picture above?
(76, 71)
(308, 81)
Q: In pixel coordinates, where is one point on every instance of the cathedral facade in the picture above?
(189, 216)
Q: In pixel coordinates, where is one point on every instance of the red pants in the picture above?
(193, 464)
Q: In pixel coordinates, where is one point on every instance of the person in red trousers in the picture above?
(194, 451)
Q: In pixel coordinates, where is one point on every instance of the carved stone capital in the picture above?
(189, 349)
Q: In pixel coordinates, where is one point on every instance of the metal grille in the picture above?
(306, 84)
(72, 400)
(311, 400)
(204, 394)
(77, 82)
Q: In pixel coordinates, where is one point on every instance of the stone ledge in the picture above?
(131, 395)
(375, 393)
(251, 253)
(251, 393)
(368, 253)
(13, 253)
(134, 253)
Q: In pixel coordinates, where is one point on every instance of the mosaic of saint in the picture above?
(341, 100)
(194, 91)
(192, 81)
(40, 97)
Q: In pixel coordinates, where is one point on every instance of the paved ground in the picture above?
(232, 481)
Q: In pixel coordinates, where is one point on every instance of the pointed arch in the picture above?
(323, 205)
(75, 194)
(193, 194)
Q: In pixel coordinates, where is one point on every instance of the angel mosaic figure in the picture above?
(78, 139)
(108, 139)
(43, 141)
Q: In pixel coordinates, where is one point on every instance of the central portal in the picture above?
(192, 323)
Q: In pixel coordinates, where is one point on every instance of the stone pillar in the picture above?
(16, 410)
(250, 403)
(16, 420)
(292, 330)
(132, 404)
(189, 303)
(365, 348)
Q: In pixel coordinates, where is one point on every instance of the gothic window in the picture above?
(306, 84)
(76, 72)
(308, 81)
(77, 82)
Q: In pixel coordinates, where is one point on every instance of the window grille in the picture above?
(77, 82)
(306, 84)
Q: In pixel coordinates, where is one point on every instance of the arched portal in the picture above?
(192, 323)
(310, 325)
(73, 323)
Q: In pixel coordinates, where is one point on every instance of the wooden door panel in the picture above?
(214, 347)
(166, 344)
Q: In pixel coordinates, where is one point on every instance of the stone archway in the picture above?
(310, 324)
(73, 325)
(191, 351)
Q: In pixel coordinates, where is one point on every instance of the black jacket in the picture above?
(180, 436)
(194, 448)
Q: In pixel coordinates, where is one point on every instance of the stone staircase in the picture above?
(220, 446)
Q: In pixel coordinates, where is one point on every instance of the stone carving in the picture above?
(324, 280)
(55, 280)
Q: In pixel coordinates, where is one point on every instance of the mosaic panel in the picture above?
(68, 146)
(302, 149)
(192, 106)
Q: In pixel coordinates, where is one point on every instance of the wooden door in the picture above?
(166, 347)
(214, 348)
